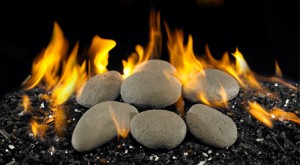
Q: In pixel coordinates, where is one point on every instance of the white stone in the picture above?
(211, 126)
(158, 129)
(151, 89)
(102, 87)
(155, 65)
(97, 127)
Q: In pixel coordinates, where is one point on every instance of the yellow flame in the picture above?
(152, 50)
(122, 123)
(26, 103)
(46, 66)
(182, 56)
(98, 52)
(38, 130)
(266, 117)
(67, 83)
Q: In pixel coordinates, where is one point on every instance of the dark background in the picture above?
(263, 30)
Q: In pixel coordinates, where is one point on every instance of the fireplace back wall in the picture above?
(262, 30)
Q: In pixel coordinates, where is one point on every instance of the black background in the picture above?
(263, 30)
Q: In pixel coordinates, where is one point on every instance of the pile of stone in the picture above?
(146, 93)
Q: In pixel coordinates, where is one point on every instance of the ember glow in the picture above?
(62, 75)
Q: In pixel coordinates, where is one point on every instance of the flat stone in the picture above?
(210, 86)
(211, 126)
(102, 87)
(157, 129)
(151, 89)
(96, 126)
(155, 65)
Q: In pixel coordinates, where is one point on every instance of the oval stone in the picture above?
(97, 127)
(211, 126)
(102, 87)
(151, 89)
(155, 65)
(210, 85)
(158, 129)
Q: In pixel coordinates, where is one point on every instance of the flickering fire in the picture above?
(38, 130)
(26, 103)
(152, 50)
(62, 75)
(266, 117)
(122, 123)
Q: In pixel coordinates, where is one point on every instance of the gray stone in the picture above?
(96, 126)
(211, 126)
(102, 87)
(155, 65)
(210, 86)
(151, 89)
(158, 129)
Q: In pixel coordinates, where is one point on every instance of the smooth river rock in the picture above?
(211, 126)
(102, 87)
(155, 65)
(158, 129)
(97, 127)
(151, 89)
(210, 86)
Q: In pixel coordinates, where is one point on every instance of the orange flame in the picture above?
(152, 50)
(60, 121)
(38, 130)
(182, 56)
(122, 123)
(278, 72)
(99, 53)
(266, 117)
(46, 66)
(26, 103)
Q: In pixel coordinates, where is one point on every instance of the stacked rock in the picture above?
(151, 88)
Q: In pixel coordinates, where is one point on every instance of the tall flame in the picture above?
(182, 56)
(99, 53)
(152, 50)
(46, 66)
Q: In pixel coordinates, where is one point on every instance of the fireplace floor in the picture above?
(256, 143)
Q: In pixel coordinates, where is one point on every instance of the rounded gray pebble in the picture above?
(102, 87)
(210, 86)
(151, 89)
(96, 126)
(158, 129)
(211, 126)
(155, 65)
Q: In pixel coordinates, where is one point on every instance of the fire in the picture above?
(26, 103)
(99, 53)
(153, 49)
(46, 66)
(266, 117)
(60, 121)
(121, 122)
(182, 56)
(38, 130)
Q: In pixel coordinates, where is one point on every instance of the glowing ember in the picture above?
(38, 130)
(122, 123)
(266, 117)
